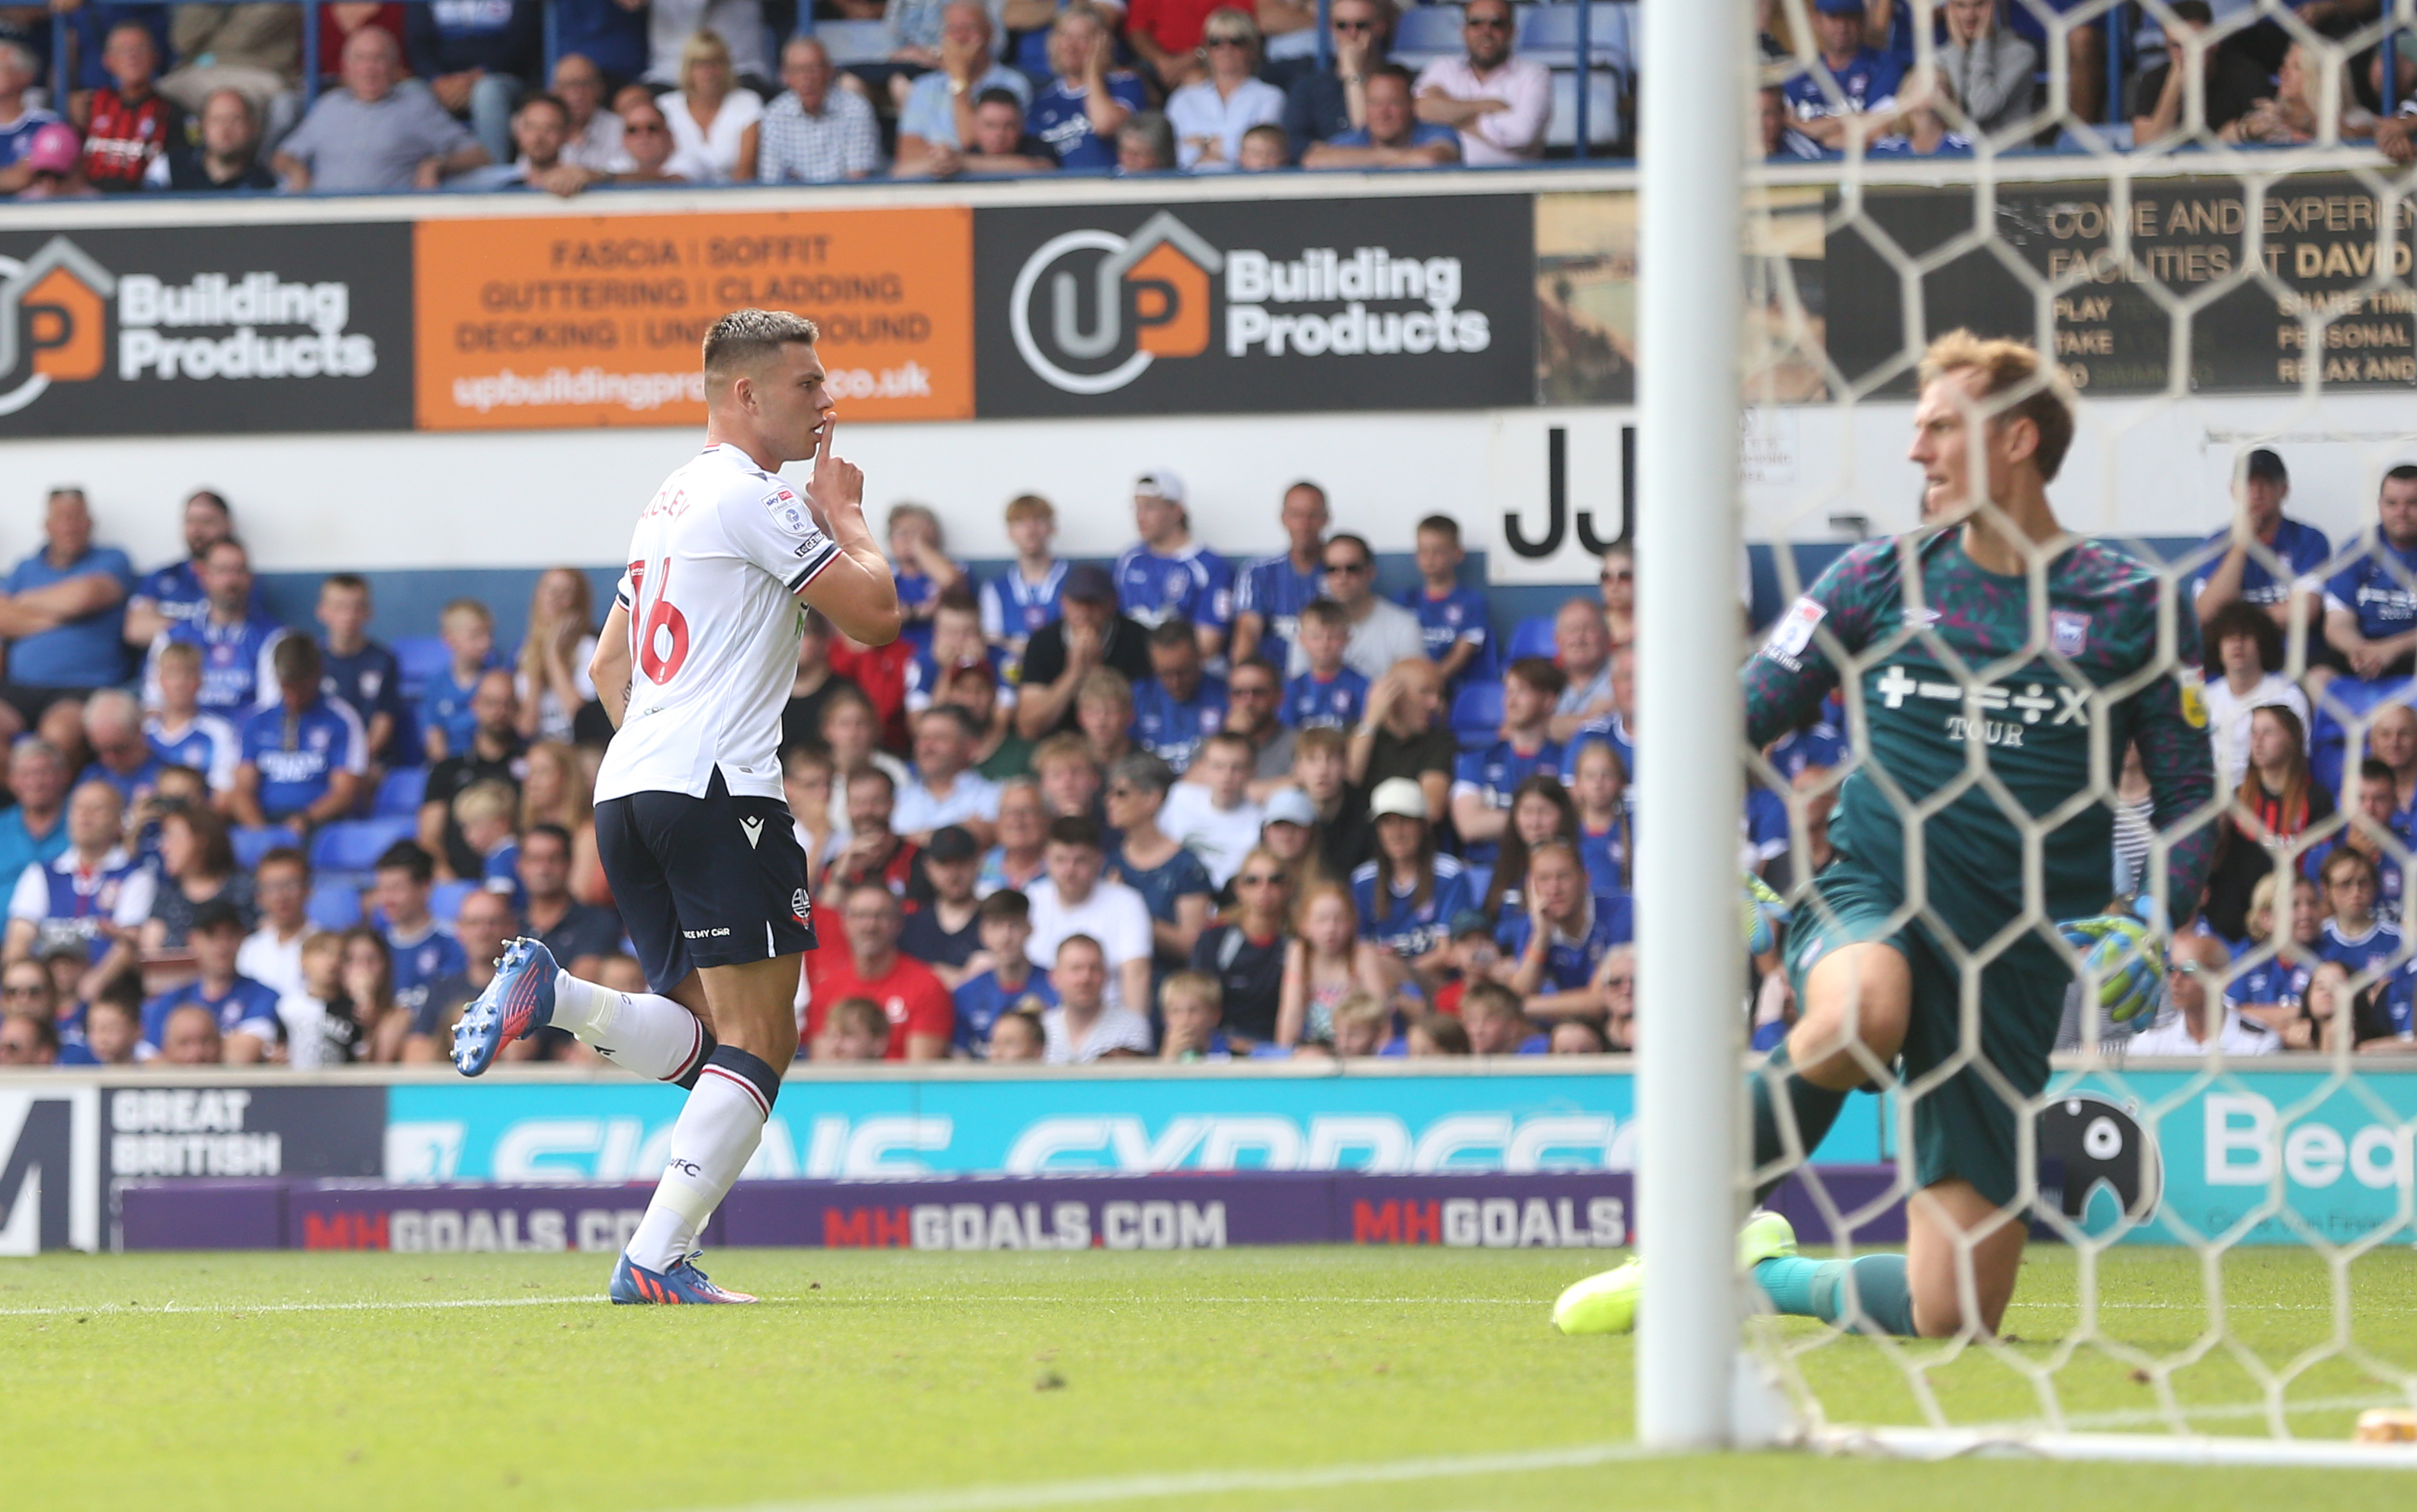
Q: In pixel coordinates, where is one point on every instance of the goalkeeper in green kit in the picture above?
(1961, 670)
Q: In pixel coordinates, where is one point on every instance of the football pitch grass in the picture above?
(912, 1381)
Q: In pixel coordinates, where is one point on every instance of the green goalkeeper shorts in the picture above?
(1964, 1125)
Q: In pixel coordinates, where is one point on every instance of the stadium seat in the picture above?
(1530, 637)
(853, 41)
(401, 793)
(418, 659)
(1426, 32)
(446, 899)
(335, 903)
(1603, 109)
(1549, 35)
(355, 844)
(1477, 713)
(253, 841)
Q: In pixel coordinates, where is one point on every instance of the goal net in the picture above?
(2205, 228)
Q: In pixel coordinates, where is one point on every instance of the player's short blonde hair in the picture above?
(1191, 987)
(746, 338)
(1032, 506)
(2006, 367)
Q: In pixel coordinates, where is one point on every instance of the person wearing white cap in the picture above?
(1167, 574)
(1408, 895)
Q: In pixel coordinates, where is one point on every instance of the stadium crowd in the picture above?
(465, 94)
(1169, 805)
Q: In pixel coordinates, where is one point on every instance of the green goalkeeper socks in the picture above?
(1818, 1289)
(1814, 1110)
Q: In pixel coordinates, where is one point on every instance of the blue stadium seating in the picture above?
(1530, 637)
(853, 41)
(355, 844)
(254, 841)
(1425, 33)
(401, 793)
(335, 903)
(1477, 713)
(419, 658)
(444, 901)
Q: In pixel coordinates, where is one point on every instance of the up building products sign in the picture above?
(260, 331)
(1265, 306)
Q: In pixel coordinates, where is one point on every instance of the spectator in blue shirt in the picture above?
(2261, 553)
(475, 56)
(1167, 574)
(235, 639)
(938, 112)
(1273, 590)
(1408, 895)
(1029, 595)
(174, 592)
(1555, 946)
(1081, 111)
(484, 814)
(244, 1010)
(1394, 136)
(1483, 782)
(609, 36)
(1498, 1023)
(1850, 82)
(63, 616)
(303, 757)
(424, 951)
(1330, 693)
(1181, 706)
(2371, 605)
(447, 721)
(178, 731)
(1004, 921)
(1318, 104)
(919, 561)
(360, 673)
(1452, 616)
(112, 728)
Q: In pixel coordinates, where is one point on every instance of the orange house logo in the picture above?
(1148, 298)
(53, 320)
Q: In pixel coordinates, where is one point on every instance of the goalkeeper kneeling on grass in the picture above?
(1961, 674)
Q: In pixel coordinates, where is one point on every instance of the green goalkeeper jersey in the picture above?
(1965, 684)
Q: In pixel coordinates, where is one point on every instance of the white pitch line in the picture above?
(1213, 1483)
(183, 1309)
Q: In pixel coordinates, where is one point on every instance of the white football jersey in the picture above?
(709, 588)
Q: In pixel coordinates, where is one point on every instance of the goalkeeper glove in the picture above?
(1763, 913)
(2125, 955)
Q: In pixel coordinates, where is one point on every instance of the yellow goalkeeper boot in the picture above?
(1607, 1303)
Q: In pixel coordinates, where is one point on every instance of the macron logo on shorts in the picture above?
(754, 828)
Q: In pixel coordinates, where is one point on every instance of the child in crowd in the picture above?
(1325, 962)
(1265, 150)
(1435, 1034)
(2354, 937)
(178, 732)
(1495, 1025)
(920, 562)
(1329, 694)
(1363, 1026)
(1598, 786)
(859, 1031)
(1005, 979)
(447, 722)
(485, 810)
(358, 671)
(1452, 617)
(1475, 957)
(1211, 810)
(1029, 595)
(1018, 1038)
(957, 644)
(320, 1026)
(1192, 1005)
(112, 1025)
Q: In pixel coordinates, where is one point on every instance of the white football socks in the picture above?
(651, 1035)
(717, 1132)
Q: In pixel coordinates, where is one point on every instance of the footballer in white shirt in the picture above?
(694, 664)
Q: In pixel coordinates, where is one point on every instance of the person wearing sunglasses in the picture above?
(1246, 953)
(646, 140)
(1394, 136)
(1382, 633)
(2202, 1018)
(1324, 103)
(1498, 103)
(1211, 115)
(1168, 37)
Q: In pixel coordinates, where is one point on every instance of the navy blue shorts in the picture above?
(717, 881)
